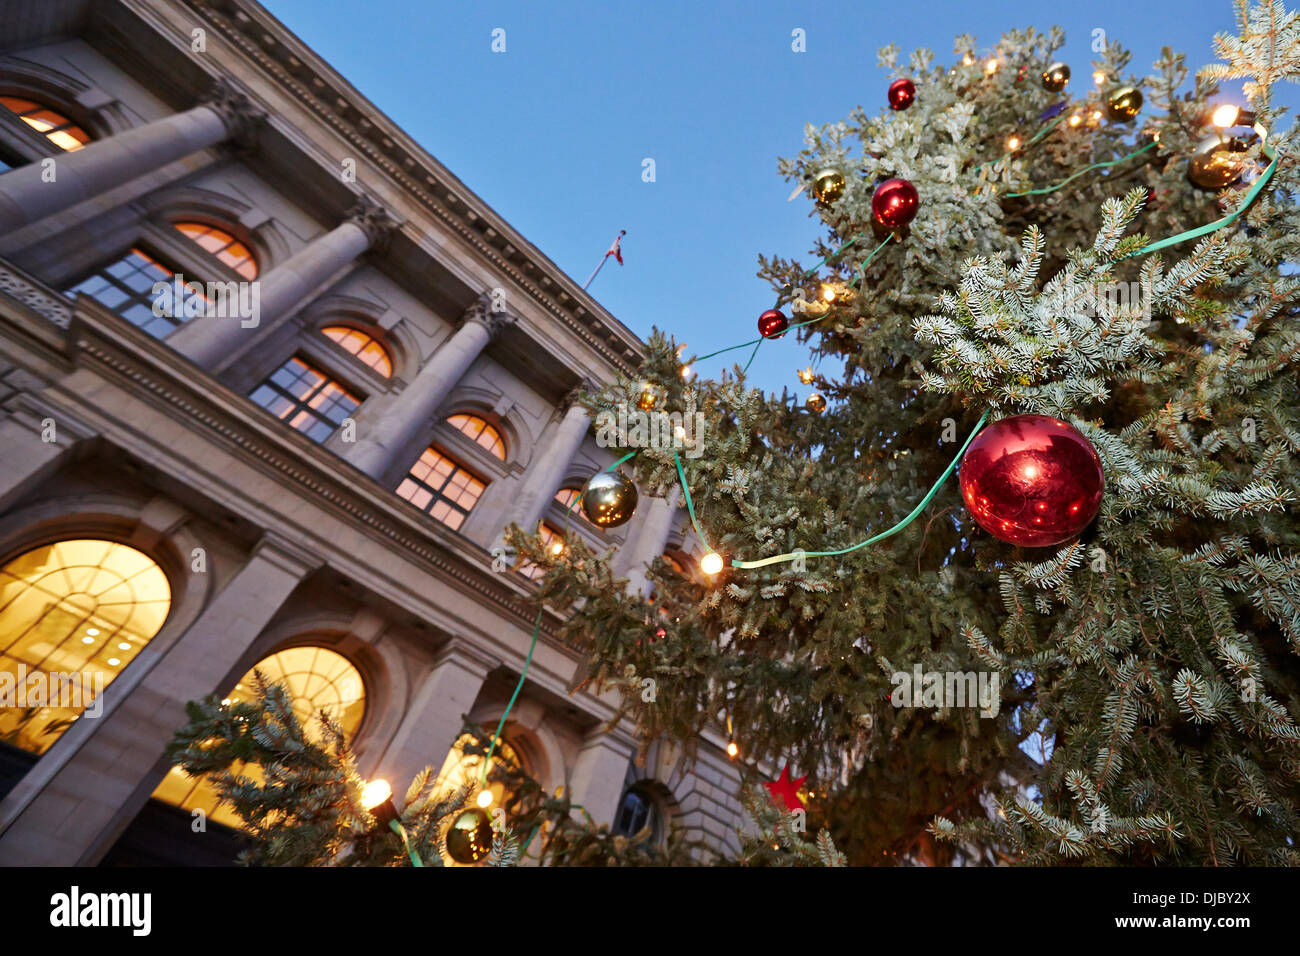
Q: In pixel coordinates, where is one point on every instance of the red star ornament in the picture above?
(785, 789)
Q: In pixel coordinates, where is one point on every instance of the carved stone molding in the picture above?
(241, 116)
(40, 300)
(374, 219)
(481, 312)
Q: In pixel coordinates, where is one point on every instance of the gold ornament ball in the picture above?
(470, 837)
(649, 397)
(1214, 163)
(1124, 104)
(828, 186)
(816, 403)
(609, 499)
(1055, 77)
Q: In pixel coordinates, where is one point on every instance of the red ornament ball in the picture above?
(894, 203)
(901, 94)
(772, 324)
(1032, 480)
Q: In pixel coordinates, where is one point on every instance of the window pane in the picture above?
(58, 129)
(480, 431)
(303, 397)
(222, 245)
(125, 286)
(76, 613)
(442, 487)
(318, 680)
(363, 346)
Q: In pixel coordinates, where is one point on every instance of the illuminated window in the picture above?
(305, 398)
(58, 129)
(76, 613)
(125, 286)
(222, 245)
(318, 680)
(567, 496)
(481, 432)
(364, 347)
(637, 810)
(441, 487)
(553, 539)
(460, 768)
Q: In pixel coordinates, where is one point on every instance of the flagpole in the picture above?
(600, 265)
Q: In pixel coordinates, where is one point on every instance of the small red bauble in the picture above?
(1032, 480)
(772, 324)
(894, 203)
(901, 94)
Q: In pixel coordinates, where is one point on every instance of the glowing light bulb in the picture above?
(1225, 115)
(686, 373)
(732, 749)
(484, 799)
(828, 293)
(557, 548)
(1013, 143)
(967, 60)
(374, 793)
(679, 433)
(711, 563)
(1076, 119)
(991, 67)
(1099, 77)
(226, 702)
(1096, 115)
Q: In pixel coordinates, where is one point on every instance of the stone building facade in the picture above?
(307, 467)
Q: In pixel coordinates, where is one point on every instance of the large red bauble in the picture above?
(772, 324)
(894, 203)
(901, 94)
(1032, 480)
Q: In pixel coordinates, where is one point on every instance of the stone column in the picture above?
(539, 483)
(385, 443)
(28, 194)
(596, 781)
(80, 812)
(433, 718)
(214, 342)
(651, 539)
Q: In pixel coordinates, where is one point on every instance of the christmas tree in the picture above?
(1111, 253)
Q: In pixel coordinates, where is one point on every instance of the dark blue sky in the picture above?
(552, 133)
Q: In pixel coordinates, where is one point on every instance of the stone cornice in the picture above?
(292, 65)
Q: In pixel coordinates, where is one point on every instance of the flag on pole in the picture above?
(616, 250)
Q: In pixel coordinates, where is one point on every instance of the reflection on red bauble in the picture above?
(1032, 480)
(894, 203)
(901, 94)
(772, 324)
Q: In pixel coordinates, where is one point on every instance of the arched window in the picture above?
(364, 347)
(318, 679)
(481, 432)
(567, 497)
(638, 810)
(441, 487)
(72, 616)
(56, 127)
(222, 245)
